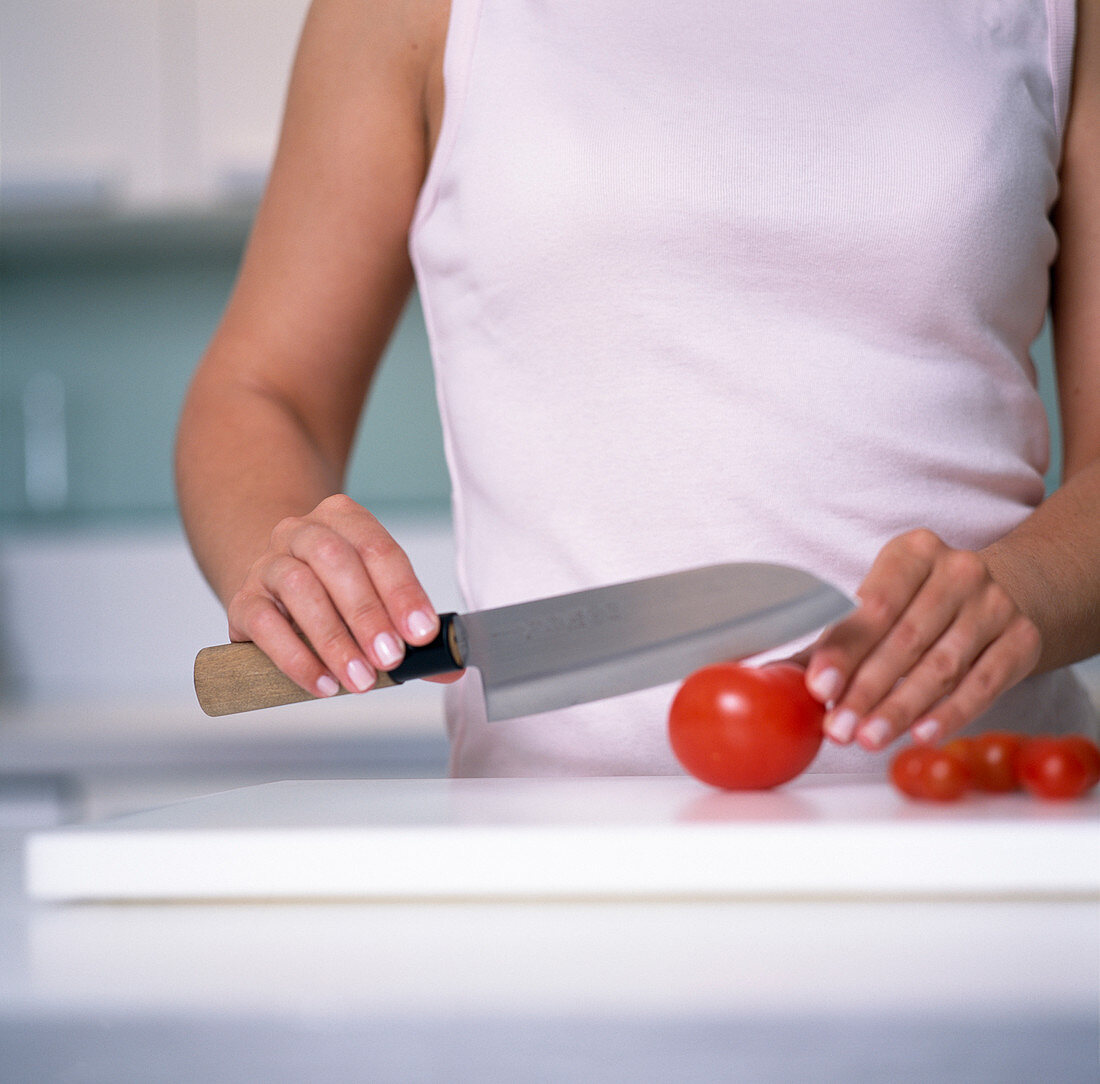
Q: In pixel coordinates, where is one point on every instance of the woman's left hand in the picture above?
(934, 641)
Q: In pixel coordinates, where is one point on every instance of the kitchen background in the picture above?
(134, 140)
(135, 136)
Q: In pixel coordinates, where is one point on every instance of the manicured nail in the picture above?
(842, 725)
(826, 685)
(874, 734)
(327, 686)
(360, 676)
(387, 649)
(928, 730)
(421, 624)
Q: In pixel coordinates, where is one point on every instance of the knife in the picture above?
(574, 648)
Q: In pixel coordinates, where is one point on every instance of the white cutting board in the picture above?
(655, 838)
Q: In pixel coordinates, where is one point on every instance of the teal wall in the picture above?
(119, 314)
(1043, 354)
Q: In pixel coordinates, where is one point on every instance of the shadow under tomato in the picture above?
(738, 806)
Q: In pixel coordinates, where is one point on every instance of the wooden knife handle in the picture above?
(232, 678)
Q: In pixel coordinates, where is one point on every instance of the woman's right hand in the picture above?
(337, 578)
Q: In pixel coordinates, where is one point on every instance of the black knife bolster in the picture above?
(441, 656)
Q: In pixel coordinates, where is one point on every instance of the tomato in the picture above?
(998, 762)
(946, 777)
(907, 770)
(1089, 753)
(965, 749)
(931, 773)
(991, 758)
(743, 727)
(1053, 768)
(993, 761)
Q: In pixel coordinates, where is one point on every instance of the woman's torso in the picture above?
(714, 282)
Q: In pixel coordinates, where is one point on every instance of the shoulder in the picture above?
(378, 49)
(395, 34)
(427, 22)
(1086, 57)
(1076, 281)
(1082, 137)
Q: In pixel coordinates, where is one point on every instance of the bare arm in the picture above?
(1052, 562)
(940, 633)
(271, 415)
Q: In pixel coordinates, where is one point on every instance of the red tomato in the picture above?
(964, 748)
(932, 773)
(1053, 768)
(1089, 753)
(993, 761)
(744, 727)
(946, 777)
(907, 770)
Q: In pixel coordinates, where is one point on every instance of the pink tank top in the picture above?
(711, 281)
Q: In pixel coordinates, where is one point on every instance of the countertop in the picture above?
(857, 986)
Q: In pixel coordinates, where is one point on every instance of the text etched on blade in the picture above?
(577, 619)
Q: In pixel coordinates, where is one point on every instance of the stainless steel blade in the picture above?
(590, 645)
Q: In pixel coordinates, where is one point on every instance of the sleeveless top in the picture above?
(708, 282)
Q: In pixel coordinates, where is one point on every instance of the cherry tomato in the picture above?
(946, 777)
(1089, 753)
(743, 727)
(931, 773)
(964, 748)
(907, 770)
(1053, 768)
(993, 761)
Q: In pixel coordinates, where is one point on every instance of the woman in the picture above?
(702, 283)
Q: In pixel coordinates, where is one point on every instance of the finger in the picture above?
(801, 658)
(444, 679)
(350, 595)
(954, 615)
(981, 622)
(895, 577)
(937, 675)
(1007, 661)
(405, 600)
(260, 620)
(298, 589)
(411, 614)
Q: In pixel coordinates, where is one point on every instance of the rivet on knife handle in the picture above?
(238, 677)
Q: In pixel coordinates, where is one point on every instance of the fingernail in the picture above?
(421, 624)
(928, 730)
(360, 675)
(327, 686)
(842, 725)
(874, 734)
(387, 649)
(826, 685)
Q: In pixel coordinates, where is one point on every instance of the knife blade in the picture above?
(574, 648)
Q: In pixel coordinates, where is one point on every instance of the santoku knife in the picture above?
(574, 648)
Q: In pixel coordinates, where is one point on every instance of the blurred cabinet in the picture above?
(139, 104)
(243, 56)
(81, 86)
(135, 138)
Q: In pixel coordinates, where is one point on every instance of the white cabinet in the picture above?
(81, 87)
(243, 55)
(141, 104)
